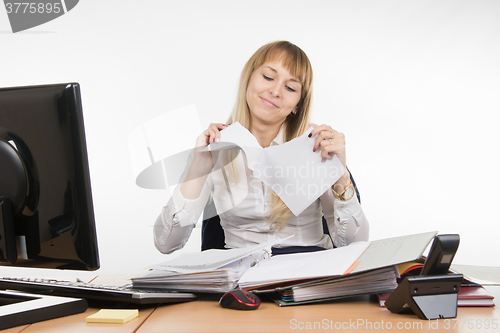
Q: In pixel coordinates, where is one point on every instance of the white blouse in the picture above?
(242, 208)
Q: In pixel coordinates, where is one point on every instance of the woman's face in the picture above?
(272, 93)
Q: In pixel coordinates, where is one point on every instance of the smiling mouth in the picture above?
(269, 103)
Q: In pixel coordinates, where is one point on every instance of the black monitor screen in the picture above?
(46, 211)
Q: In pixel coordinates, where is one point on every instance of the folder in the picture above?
(343, 272)
(354, 258)
(208, 271)
(359, 268)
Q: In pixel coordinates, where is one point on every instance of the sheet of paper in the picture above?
(213, 259)
(393, 251)
(220, 280)
(298, 266)
(292, 169)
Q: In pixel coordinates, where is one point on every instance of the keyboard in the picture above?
(125, 294)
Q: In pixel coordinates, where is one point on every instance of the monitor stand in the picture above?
(19, 308)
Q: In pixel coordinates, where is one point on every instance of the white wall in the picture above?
(414, 85)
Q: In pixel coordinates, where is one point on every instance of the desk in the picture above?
(348, 315)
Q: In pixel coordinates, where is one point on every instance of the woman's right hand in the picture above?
(202, 163)
(211, 134)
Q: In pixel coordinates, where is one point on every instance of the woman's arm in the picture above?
(346, 221)
(202, 163)
(178, 218)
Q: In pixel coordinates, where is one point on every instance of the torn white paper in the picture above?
(292, 169)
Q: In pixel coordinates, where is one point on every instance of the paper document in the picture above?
(354, 258)
(207, 271)
(369, 282)
(213, 259)
(393, 251)
(292, 169)
(219, 280)
(299, 266)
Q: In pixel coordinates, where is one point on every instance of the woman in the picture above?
(273, 103)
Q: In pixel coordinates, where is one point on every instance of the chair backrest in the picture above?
(212, 234)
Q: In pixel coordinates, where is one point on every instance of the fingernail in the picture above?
(314, 150)
(217, 140)
(310, 134)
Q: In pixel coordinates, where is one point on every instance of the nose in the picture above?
(274, 90)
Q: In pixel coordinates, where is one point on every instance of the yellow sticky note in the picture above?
(112, 316)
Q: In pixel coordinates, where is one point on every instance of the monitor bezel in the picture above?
(67, 102)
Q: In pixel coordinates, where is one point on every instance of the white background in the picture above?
(414, 85)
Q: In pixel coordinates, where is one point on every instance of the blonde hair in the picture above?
(298, 65)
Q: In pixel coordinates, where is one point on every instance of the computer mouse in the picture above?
(239, 299)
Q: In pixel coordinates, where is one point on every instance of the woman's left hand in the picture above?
(329, 141)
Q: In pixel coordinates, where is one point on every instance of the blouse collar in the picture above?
(279, 138)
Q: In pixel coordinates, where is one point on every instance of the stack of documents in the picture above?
(298, 267)
(318, 276)
(207, 271)
(356, 257)
(375, 281)
(221, 279)
(356, 269)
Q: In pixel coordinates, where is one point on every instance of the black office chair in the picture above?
(212, 234)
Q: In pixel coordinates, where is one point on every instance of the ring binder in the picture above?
(208, 271)
(256, 261)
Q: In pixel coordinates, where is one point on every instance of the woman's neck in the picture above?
(264, 134)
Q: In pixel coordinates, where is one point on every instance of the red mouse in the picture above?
(239, 299)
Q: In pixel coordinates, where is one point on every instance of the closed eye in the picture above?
(267, 78)
(290, 89)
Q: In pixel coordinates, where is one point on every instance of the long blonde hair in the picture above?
(298, 65)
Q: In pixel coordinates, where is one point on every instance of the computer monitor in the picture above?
(46, 210)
